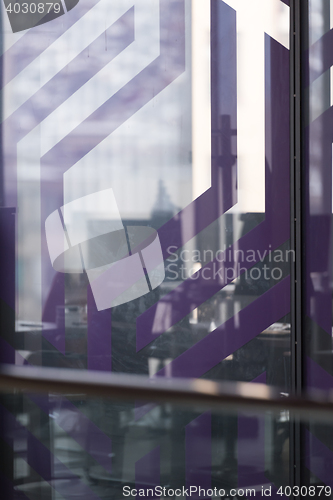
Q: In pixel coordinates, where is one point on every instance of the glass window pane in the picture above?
(146, 177)
(146, 158)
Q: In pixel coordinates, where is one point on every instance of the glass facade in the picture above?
(147, 185)
(147, 228)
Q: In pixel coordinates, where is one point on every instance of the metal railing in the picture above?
(217, 396)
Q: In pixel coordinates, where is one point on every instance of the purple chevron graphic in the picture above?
(210, 214)
(227, 338)
(115, 39)
(91, 320)
(271, 233)
(213, 203)
(274, 231)
(64, 84)
(129, 99)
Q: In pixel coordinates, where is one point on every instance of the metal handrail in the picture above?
(217, 396)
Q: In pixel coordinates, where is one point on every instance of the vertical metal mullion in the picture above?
(296, 13)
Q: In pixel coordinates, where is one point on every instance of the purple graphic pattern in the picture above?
(270, 234)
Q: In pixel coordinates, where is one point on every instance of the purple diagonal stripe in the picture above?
(147, 471)
(198, 452)
(20, 58)
(84, 432)
(205, 283)
(142, 408)
(99, 336)
(76, 73)
(322, 49)
(227, 338)
(317, 377)
(322, 468)
(42, 461)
